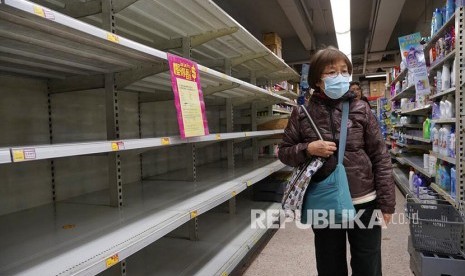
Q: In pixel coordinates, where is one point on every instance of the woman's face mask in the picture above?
(336, 87)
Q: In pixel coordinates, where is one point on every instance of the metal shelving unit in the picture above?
(224, 241)
(443, 93)
(39, 152)
(399, 77)
(401, 180)
(416, 138)
(99, 99)
(444, 158)
(444, 121)
(418, 111)
(417, 163)
(438, 64)
(79, 235)
(406, 93)
(443, 193)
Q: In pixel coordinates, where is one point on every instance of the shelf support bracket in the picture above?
(230, 128)
(122, 79)
(253, 121)
(210, 90)
(196, 40)
(235, 61)
(79, 9)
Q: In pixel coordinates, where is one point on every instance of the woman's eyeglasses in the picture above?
(334, 74)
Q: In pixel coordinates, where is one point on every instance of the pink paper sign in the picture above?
(188, 97)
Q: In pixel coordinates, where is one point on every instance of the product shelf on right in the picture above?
(450, 160)
(443, 194)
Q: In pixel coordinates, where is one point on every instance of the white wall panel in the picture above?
(24, 111)
(24, 185)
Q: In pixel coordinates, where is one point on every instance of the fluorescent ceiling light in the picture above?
(341, 18)
(375, 76)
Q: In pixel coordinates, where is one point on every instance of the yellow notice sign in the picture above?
(112, 260)
(112, 37)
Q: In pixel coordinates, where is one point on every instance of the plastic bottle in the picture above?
(417, 183)
(437, 19)
(451, 148)
(450, 8)
(450, 106)
(410, 180)
(441, 134)
(436, 111)
(435, 135)
(426, 128)
(446, 178)
(442, 108)
(452, 75)
(445, 76)
(446, 140)
(439, 176)
(433, 24)
(453, 184)
(439, 81)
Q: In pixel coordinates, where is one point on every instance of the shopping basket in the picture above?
(435, 228)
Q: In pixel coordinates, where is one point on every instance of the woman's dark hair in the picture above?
(321, 59)
(355, 83)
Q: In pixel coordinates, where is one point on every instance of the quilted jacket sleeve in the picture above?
(292, 150)
(382, 168)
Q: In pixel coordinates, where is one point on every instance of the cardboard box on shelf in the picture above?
(272, 39)
(275, 49)
(377, 88)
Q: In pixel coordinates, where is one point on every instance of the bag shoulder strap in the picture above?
(312, 123)
(343, 134)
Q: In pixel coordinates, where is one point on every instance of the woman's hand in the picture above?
(321, 148)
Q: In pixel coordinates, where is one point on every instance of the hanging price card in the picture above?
(112, 260)
(188, 97)
(218, 136)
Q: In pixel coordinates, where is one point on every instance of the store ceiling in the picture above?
(306, 25)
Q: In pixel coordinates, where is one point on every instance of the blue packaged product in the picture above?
(437, 19)
(436, 111)
(446, 178)
(453, 187)
(450, 8)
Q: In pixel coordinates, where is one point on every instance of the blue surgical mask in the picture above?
(336, 87)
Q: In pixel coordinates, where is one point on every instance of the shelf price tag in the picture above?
(112, 37)
(23, 154)
(44, 13)
(218, 136)
(224, 274)
(39, 11)
(165, 141)
(112, 260)
(249, 183)
(116, 146)
(246, 134)
(194, 214)
(234, 193)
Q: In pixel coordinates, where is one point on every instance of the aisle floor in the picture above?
(291, 250)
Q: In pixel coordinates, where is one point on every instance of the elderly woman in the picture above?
(366, 161)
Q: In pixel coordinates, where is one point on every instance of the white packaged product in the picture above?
(445, 77)
(442, 107)
(435, 138)
(452, 75)
(446, 140)
(432, 164)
